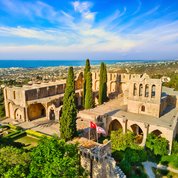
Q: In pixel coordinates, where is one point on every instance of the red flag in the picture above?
(100, 130)
(92, 125)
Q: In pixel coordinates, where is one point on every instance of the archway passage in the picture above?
(52, 114)
(138, 132)
(114, 125)
(36, 111)
(157, 133)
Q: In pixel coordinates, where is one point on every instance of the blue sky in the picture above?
(96, 29)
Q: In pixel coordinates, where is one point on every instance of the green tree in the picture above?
(150, 141)
(14, 162)
(86, 70)
(89, 93)
(158, 145)
(55, 158)
(2, 108)
(122, 141)
(69, 110)
(103, 84)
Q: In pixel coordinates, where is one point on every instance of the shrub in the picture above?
(12, 133)
(20, 134)
(125, 166)
(172, 160)
(175, 147)
(19, 128)
(122, 141)
(12, 126)
(4, 127)
(156, 144)
(36, 134)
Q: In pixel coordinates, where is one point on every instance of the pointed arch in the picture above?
(115, 125)
(153, 91)
(135, 89)
(138, 132)
(146, 90)
(157, 132)
(141, 89)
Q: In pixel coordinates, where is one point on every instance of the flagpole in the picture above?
(89, 132)
(96, 136)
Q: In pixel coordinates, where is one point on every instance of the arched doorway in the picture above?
(51, 114)
(157, 133)
(36, 111)
(10, 110)
(18, 114)
(143, 108)
(138, 133)
(112, 87)
(114, 125)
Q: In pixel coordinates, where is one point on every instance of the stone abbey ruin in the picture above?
(137, 103)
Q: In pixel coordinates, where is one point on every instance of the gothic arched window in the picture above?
(147, 90)
(141, 90)
(153, 91)
(135, 89)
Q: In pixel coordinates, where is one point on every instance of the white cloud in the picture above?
(30, 9)
(82, 36)
(26, 33)
(84, 9)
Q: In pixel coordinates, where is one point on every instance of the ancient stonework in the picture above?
(141, 104)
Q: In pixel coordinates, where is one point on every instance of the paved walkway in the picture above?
(148, 168)
(41, 125)
(149, 165)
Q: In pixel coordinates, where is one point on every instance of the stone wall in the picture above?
(99, 163)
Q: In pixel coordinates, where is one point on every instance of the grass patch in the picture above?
(28, 141)
(36, 134)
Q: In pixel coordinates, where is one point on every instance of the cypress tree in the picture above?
(89, 93)
(69, 110)
(86, 70)
(103, 84)
(2, 108)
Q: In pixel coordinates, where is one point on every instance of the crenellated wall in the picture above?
(99, 163)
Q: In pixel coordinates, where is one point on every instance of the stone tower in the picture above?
(145, 96)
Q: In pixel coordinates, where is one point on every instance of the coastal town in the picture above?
(20, 76)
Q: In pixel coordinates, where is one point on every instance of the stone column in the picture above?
(26, 119)
(143, 94)
(125, 125)
(145, 134)
(150, 91)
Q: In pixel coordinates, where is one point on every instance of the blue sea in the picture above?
(53, 63)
